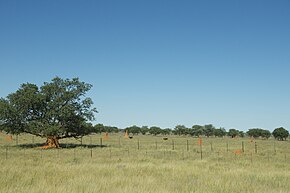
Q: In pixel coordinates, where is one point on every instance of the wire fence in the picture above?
(157, 147)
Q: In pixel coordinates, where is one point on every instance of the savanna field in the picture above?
(145, 164)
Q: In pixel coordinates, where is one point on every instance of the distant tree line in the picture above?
(195, 131)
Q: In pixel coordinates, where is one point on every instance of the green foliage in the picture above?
(281, 133)
(180, 130)
(219, 132)
(265, 134)
(58, 108)
(209, 130)
(99, 128)
(198, 130)
(155, 130)
(256, 132)
(144, 130)
(166, 131)
(241, 134)
(133, 129)
(233, 133)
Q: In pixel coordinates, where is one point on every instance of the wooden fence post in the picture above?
(243, 148)
(200, 151)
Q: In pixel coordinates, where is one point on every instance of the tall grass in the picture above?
(121, 167)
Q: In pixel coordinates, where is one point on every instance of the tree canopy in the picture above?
(280, 133)
(257, 132)
(57, 109)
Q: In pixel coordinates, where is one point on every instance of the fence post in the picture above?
(227, 146)
(91, 152)
(243, 148)
(138, 144)
(211, 149)
(172, 144)
(101, 142)
(200, 151)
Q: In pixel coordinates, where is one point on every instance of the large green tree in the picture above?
(281, 133)
(55, 110)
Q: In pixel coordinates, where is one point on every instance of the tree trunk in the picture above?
(52, 142)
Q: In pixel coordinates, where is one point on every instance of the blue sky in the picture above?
(157, 62)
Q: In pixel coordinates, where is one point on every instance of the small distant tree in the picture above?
(281, 133)
(111, 129)
(233, 133)
(99, 128)
(220, 132)
(258, 132)
(265, 134)
(180, 130)
(144, 130)
(166, 131)
(241, 134)
(209, 130)
(198, 130)
(155, 130)
(133, 129)
(255, 132)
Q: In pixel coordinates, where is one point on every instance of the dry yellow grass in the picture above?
(125, 168)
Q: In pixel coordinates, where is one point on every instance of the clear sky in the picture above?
(157, 62)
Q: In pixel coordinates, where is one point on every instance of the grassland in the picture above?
(145, 164)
